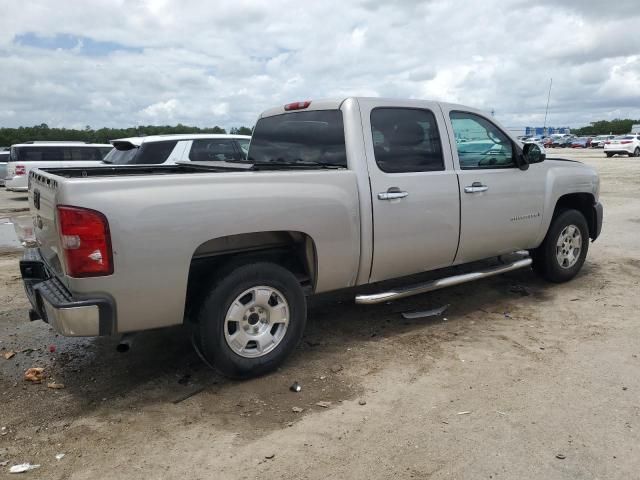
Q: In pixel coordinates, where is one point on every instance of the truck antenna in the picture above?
(544, 127)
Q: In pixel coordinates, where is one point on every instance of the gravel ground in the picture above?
(511, 382)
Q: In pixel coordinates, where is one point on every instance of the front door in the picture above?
(414, 188)
(501, 205)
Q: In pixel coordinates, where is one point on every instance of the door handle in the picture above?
(392, 194)
(476, 187)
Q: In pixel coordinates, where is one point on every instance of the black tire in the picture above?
(545, 261)
(211, 319)
(636, 152)
(609, 155)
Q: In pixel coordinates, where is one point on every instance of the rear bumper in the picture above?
(619, 149)
(598, 213)
(53, 303)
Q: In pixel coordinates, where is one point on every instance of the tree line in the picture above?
(605, 127)
(10, 136)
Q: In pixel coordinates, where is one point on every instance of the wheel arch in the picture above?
(584, 203)
(296, 251)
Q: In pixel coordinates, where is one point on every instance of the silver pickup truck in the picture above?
(334, 194)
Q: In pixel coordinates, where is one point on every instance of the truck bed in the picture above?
(133, 170)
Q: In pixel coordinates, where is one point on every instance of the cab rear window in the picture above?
(311, 137)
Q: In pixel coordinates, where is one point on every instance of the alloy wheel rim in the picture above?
(256, 321)
(569, 246)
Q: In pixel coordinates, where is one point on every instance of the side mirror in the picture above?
(533, 153)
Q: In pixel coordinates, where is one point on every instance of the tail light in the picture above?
(607, 142)
(297, 105)
(20, 170)
(625, 141)
(86, 242)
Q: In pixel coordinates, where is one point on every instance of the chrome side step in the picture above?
(440, 283)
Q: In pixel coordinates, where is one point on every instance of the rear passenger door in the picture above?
(414, 187)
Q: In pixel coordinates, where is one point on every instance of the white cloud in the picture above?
(161, 110)
(222, 64)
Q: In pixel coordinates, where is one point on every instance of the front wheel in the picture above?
(564, 249)
(251, 320)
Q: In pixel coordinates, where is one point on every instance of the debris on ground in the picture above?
(336, 368)
(55, 386)
(4, 463)
(560, 456)
(270, 456)
(9, 355)
(35, 375)
(323, 404)
(60, 456)
(435, 312)
(189, 395)
(466, 412)
(297, 409)
(520, 289)
(52, 348)
(295, 387)
(362, 402)
(3, 431)
(23, 467)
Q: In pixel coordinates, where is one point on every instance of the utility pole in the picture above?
(546, 111)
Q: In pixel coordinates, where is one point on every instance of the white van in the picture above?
(25, 156)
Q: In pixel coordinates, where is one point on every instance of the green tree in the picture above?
(606, 127)
(10, 136)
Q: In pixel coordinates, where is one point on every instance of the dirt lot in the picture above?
(503, 384)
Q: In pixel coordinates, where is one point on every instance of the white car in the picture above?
(4, 159)
(598, 142)
(25, 156)
(623, 144)
(170, 149)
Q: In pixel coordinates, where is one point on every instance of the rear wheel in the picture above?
(609, 155)
(251, 320)
(564, 249)
(636, 152)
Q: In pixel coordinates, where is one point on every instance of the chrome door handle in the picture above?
(476, 187)
(392, 195)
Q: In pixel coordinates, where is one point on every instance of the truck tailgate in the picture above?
(43, 190)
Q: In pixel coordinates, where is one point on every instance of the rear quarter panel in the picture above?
(157, 223)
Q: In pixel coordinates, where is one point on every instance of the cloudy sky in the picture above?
(129, 62)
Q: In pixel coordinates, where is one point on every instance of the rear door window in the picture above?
(315, 137)
(406, 140)
(212, 149)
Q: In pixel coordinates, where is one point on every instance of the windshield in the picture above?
(61, 153)
(315, 137)
(4, 157)
(147, 154)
